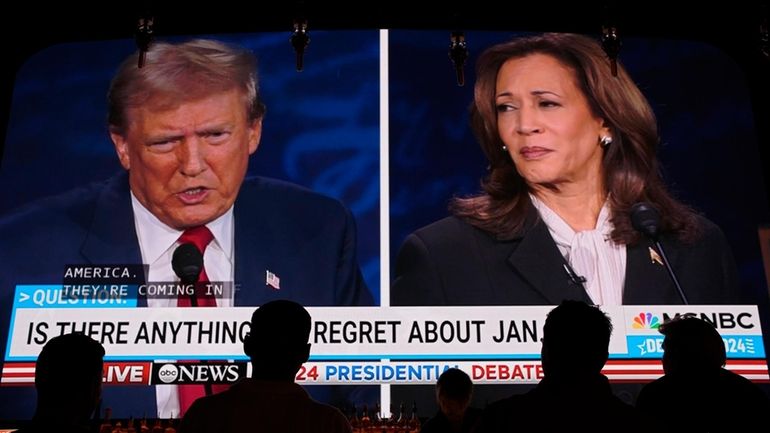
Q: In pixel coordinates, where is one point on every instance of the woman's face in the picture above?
(545, 122)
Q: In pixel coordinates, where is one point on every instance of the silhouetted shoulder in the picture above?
(263, 406)
(44, 428)
(722, 401)
(538, 410)
(508, 414)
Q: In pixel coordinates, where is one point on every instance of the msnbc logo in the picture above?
(645, 321)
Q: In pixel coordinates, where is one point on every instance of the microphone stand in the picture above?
(670, 270)
(194, 303)
(646, 220)
(193, 297)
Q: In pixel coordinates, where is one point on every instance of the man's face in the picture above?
(186, 163)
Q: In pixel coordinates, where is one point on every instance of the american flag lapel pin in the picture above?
(655, 257)
(272, 280)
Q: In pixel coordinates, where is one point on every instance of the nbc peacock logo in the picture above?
(646, 321)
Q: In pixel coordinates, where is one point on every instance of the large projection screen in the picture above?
(377, 121)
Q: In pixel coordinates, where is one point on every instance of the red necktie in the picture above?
(200, 237)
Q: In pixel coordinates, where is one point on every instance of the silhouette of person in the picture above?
(269, 401)
(574, 395)
(68, 380)
(697, 393)
(454, 390)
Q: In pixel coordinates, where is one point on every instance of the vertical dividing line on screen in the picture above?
(384, 196)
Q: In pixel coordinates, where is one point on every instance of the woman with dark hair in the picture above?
(571, 149)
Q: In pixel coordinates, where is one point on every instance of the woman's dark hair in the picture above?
(630, 165)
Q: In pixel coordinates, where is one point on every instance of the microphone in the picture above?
(187, 263)
(574, 278)
(646, 220)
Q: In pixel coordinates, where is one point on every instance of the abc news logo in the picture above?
(185, 373)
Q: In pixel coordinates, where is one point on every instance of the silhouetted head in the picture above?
(576, 339)
(68, 377)
(691, 346)
(454, 390)
(278, 341)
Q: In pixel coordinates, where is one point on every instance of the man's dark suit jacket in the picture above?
(308, 240)
(451, 262)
